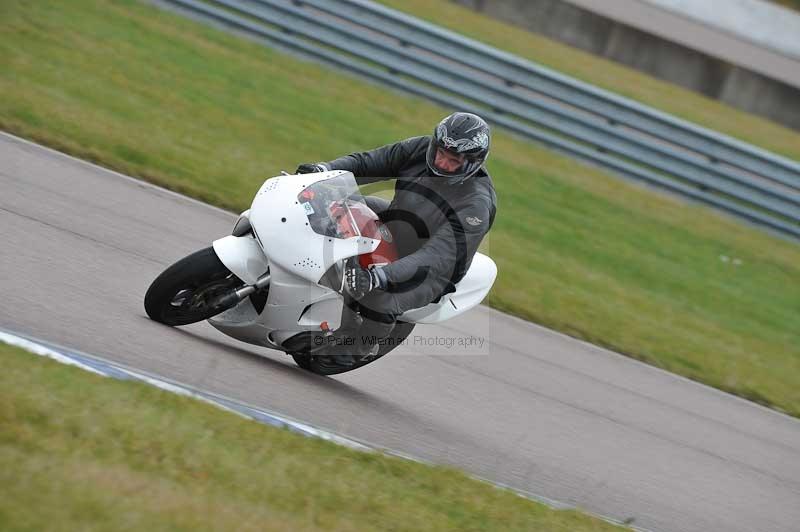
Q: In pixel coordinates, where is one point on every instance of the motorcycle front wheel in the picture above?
(183, 292)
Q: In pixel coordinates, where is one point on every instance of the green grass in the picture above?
(791, 4)
(607, 74)
(83, 452)
(199, 111)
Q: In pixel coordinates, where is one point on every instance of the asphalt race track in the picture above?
(528, 408)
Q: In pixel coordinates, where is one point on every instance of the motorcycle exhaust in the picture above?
(233, 298)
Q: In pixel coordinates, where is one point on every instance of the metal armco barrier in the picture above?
(560, 112)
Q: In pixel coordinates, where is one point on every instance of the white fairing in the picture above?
(281, 224)
(284, 243)
(470, 291)
(242, 256)
(296, 256)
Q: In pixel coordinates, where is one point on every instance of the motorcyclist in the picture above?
(443, 206)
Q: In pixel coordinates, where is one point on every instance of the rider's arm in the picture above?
(444, 258)
(378, 164)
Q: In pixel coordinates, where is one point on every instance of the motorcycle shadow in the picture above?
(295, 373)
(361, 405)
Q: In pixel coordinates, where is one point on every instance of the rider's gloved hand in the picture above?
(360, 282)
(308, 168)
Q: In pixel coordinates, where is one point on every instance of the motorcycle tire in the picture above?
(180, 295)
(322, 365)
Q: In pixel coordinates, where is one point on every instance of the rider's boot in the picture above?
(350, 350)
(359, 344)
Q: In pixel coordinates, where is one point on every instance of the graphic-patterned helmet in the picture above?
(464, 135)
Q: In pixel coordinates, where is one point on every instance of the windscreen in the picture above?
(330, 206)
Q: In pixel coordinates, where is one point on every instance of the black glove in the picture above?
(360, 282)
(308, 168)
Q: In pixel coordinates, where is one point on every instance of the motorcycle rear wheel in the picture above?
(182, 293)
(329, 365)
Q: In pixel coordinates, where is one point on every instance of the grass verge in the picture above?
(791, 4)
(83, 452)
(609, 75)
(156, 96)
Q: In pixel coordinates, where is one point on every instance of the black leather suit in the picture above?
(436, 225)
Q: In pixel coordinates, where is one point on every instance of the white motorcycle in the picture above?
(277, 280)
